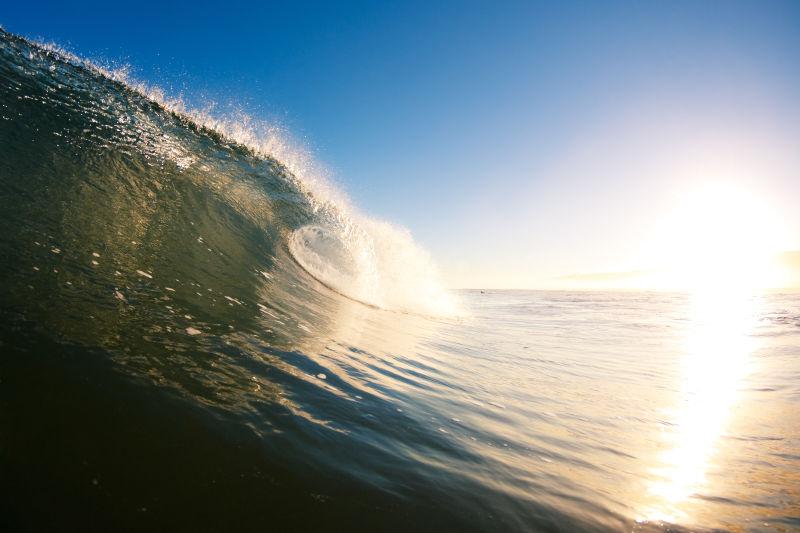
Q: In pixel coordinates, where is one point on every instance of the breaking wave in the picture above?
(151, 142)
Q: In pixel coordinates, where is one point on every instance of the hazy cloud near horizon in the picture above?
(789, 260)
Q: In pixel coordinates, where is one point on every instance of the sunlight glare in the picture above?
(719, 238)
(718, 346)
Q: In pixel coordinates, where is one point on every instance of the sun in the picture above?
(719, 236)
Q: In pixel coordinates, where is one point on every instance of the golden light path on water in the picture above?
(718, 344)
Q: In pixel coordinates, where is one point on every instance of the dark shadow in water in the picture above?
(85, 449)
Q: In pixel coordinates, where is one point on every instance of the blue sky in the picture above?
(519, 142)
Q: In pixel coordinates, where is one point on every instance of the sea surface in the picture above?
(195, 335)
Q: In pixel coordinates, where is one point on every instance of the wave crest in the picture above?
(389, 270)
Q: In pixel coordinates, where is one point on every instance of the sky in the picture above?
(524, 145)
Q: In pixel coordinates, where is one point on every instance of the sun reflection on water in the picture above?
(717, 346)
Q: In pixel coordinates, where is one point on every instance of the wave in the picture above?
(390, 271)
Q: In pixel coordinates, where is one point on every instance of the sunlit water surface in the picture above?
(538, 411)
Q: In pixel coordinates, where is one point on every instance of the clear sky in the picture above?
(523, 144)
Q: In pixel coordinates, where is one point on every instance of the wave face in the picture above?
(143, 152)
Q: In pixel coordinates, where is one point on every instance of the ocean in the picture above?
(198, 333)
